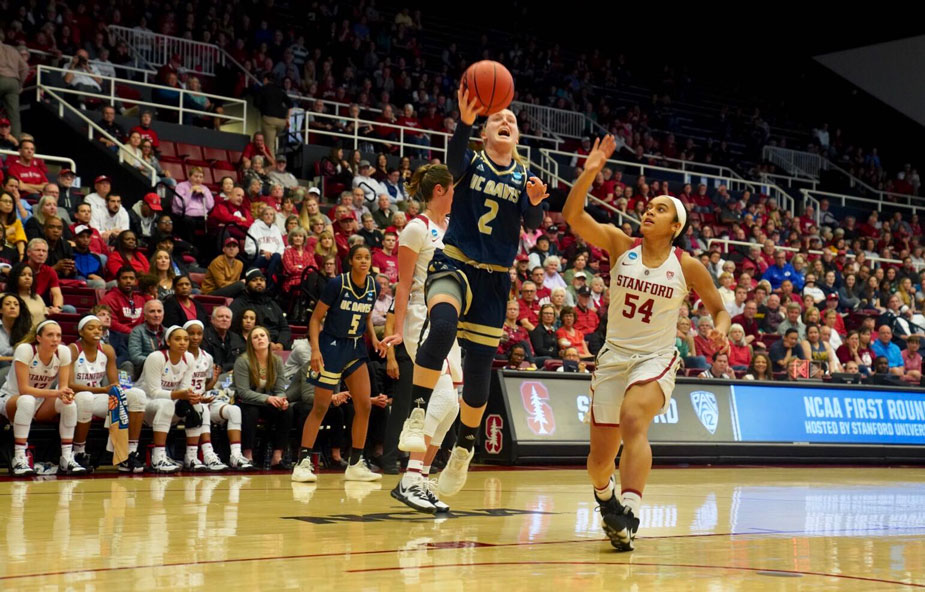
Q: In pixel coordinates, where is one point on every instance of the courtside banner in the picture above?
(828, 415)
(556, 409)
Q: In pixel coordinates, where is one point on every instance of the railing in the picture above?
(873, 258)
(549, 167)
(403, 139)
(884, 195)
(559, 122)
(67, 162)
(789, 181)
(865, 203)
(149, 171)
(112, 98)
(689, 165)
(143, 72)
(795, 162)
(156, 49)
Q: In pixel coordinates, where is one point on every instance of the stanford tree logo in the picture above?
(494, 434)
(540, 418)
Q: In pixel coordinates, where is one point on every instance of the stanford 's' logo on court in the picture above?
(707, 410)
(494, 439)
(540, 417)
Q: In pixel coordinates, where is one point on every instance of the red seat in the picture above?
(214, 154)
(176, 170)
(68, 323)
(234, 156)
(496, 363)
(223, 165)
(298, 331)
(168, 148)
(207, 176)
(551, 365)
(81, 298)
(210, 302)
(189, 151)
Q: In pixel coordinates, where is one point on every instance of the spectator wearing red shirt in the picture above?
(82, 217)
(47, 286)
(145, 130)
(748, 322)
(126, 304)
(912, 359)
(705, 346)
(231, 215)
(538, 275)
(569, 332)
(385, 260)
(126, 252)
(27, 169)
(586, 317)
(584, 150)
(386, 132)
(512, 333)
(528, 306)
(256, 147)
(408, 119)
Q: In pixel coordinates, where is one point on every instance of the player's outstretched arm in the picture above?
(700, 280)
(457, 151)
(604, 236)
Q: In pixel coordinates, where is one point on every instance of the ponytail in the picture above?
(425, 178)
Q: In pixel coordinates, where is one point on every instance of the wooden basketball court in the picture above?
(702, 529)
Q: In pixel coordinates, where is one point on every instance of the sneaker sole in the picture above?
(442, 492)
(414, 445)
(424, 510)
(621, 540)
(311, 479)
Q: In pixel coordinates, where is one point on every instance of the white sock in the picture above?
(158, 454)
(632, 500)
(192, 452)
(19, 450)
(133, 445)
(412, 473)
(80, 448)
(66, 451)
(425, 471)
(206, 449)
(606, 492)
(236, 449)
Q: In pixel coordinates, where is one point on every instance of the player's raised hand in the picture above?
(536, 190)
(468, 109)
(602, 150)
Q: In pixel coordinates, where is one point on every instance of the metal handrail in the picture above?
(874, 258)
(559, 122)
(402, 130)
(93, 126)
(877, 203)
(789, 180)
(143, 71)
(809, 163)
(692, 163)
(46, 157)
(829, 165)
(111, 97)
(158, 49)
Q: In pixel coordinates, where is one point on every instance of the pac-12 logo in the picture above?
(540, 418)
(707, 410)
(494, 434)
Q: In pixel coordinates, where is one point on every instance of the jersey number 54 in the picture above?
(630, 309)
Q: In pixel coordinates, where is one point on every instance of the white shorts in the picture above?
(414, 322)
(616, 372)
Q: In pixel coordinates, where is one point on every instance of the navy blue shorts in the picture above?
(485, 294)
(341, 358)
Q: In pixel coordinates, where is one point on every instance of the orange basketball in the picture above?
(491, 84)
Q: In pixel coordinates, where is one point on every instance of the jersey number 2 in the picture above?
(488, 216)
(630, 309)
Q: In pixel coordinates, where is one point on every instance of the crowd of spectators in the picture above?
(796, 313)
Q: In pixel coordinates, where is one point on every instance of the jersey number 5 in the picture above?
(355, 324)
(488, 216)
(630, 309)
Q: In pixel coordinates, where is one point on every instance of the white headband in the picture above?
(682, 213)
(42, 325)
(189, 324)
(83, 322)
(170, 330)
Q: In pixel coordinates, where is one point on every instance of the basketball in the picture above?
(491, 84)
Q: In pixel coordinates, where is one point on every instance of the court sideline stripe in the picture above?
(637, 563)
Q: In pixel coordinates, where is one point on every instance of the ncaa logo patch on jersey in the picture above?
(35, 363)
(706, 408)
(517, 175)
(632, 256)
(434, 233)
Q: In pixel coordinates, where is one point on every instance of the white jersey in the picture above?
(87, 373)
(159, 377)
(41, 376)
(645, 303)
(202, 371)
(424, 237)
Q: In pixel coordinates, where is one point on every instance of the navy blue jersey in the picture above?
(488, 204)
(349, 304)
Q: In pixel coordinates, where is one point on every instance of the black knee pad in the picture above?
(477, 378)
(443, 321)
